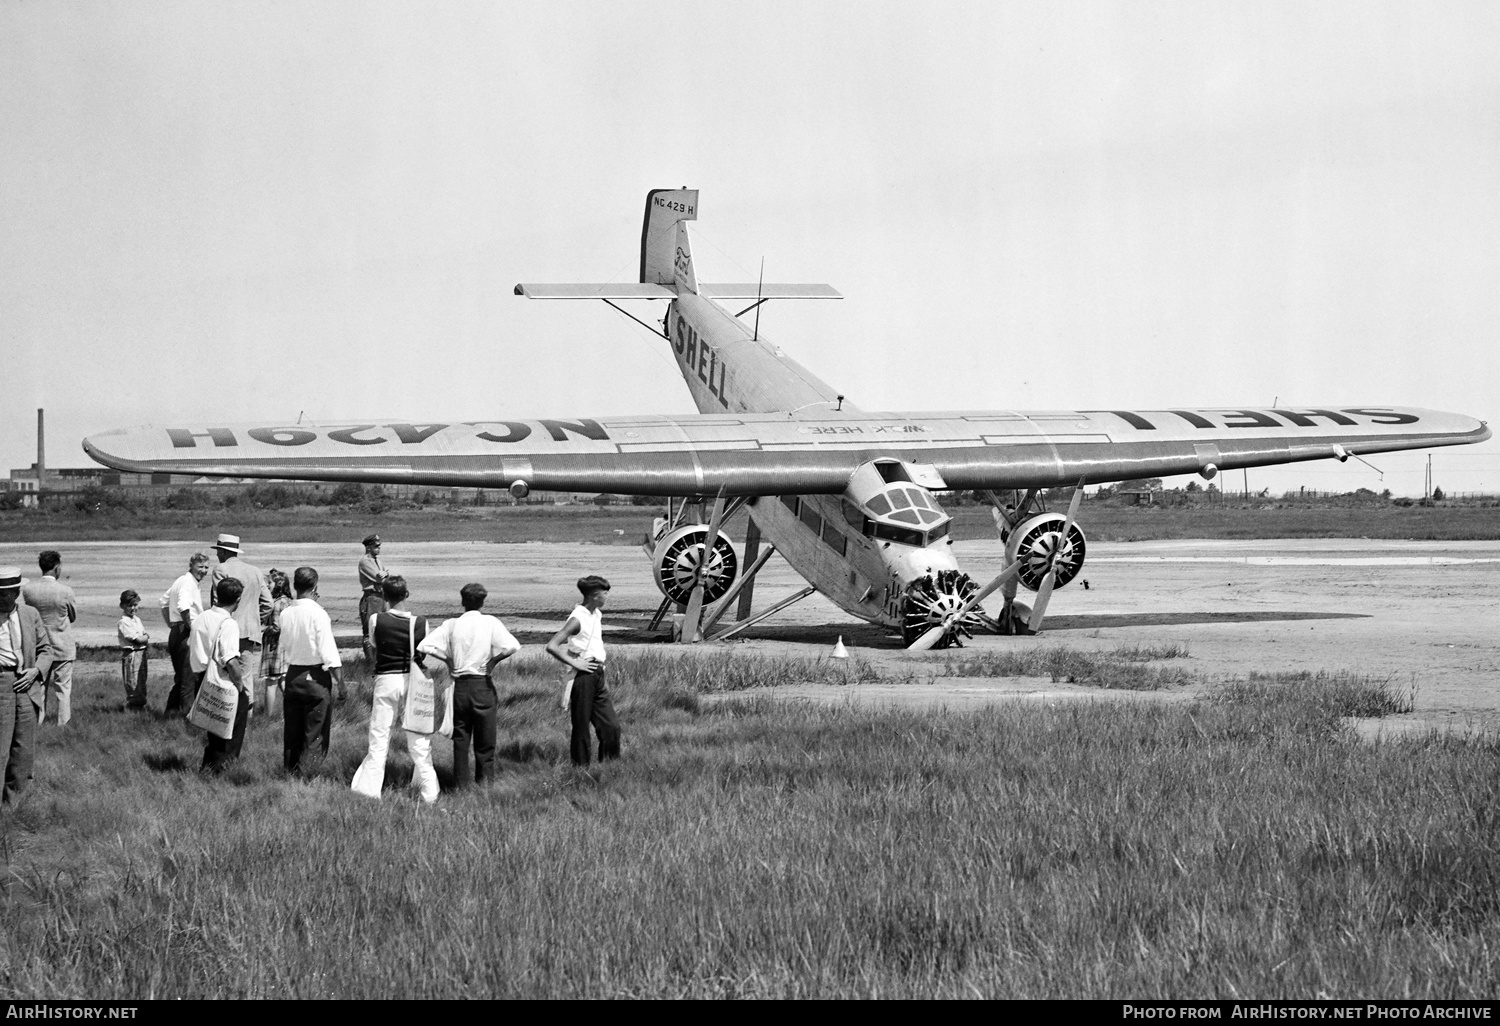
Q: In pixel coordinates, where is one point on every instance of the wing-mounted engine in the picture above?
(1034, 541)
(675, 559)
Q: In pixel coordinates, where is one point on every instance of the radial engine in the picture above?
(1034, 540)
(676, 556)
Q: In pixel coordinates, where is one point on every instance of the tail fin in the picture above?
(666, 257)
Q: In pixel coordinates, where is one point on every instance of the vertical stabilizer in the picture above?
(666, 258)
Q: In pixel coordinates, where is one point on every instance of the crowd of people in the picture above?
(271, 629)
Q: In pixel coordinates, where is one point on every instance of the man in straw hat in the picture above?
(371, 576)
(26, 654)
(255, 598)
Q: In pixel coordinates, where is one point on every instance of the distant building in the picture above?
(27, 487)
(1142, 492)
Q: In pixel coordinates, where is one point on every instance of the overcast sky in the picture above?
(231, 212)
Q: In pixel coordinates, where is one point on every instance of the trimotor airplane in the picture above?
(845, 495)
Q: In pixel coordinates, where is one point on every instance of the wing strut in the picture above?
(658, 330)
(758, 617)
(745, 580)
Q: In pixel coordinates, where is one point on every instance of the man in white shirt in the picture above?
(208, 627)
(472, 646)
(580, 647)
(313, 667)
(215, 641)
(179, 605)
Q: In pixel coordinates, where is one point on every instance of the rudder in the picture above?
(666, 257)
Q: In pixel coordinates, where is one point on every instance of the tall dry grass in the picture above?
(1234, 844)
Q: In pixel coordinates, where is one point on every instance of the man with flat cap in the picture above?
(26, 654)
(371, 576)
(255, 598)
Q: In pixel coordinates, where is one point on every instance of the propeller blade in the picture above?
(693, 617)
(1073, 509)
(928, 639)
(989, 589)
(1042, 598)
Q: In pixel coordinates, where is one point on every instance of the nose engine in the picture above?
(933, 599)
(1034, 541)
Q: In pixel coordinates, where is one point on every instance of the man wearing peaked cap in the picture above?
(254, 609)
(371, 576)
(26, 654)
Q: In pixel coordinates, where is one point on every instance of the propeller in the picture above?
(695, 601)
(1044, 594)
(932, 635)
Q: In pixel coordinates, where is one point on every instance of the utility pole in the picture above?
(1246, 471)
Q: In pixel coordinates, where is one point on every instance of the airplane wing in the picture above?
(770, 454)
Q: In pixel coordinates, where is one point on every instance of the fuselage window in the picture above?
(937, 532)
(852, 515)
(812, 520)
(879, 506)
(899, 499)
(834, 540)
(918, 499)
(790, 502)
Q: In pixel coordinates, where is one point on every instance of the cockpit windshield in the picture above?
(901, 513)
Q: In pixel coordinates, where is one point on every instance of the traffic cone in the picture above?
(839, 651)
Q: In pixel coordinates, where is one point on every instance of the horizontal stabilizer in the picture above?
(770, 290)
(647, 290)
(609, 290)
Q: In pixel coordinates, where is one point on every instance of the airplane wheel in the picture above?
(930, 600)
(676, 562)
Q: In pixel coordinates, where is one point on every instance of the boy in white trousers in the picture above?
(133, 642)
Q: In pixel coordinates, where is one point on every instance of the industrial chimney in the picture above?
(41, 448)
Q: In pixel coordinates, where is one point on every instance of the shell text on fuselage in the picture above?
(697, 355)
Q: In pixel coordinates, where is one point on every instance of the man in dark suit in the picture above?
(26, 654)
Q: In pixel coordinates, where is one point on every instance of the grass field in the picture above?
(599, 525)
(1236, 842)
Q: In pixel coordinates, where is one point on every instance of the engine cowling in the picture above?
(1034, 541)
(676, 557)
